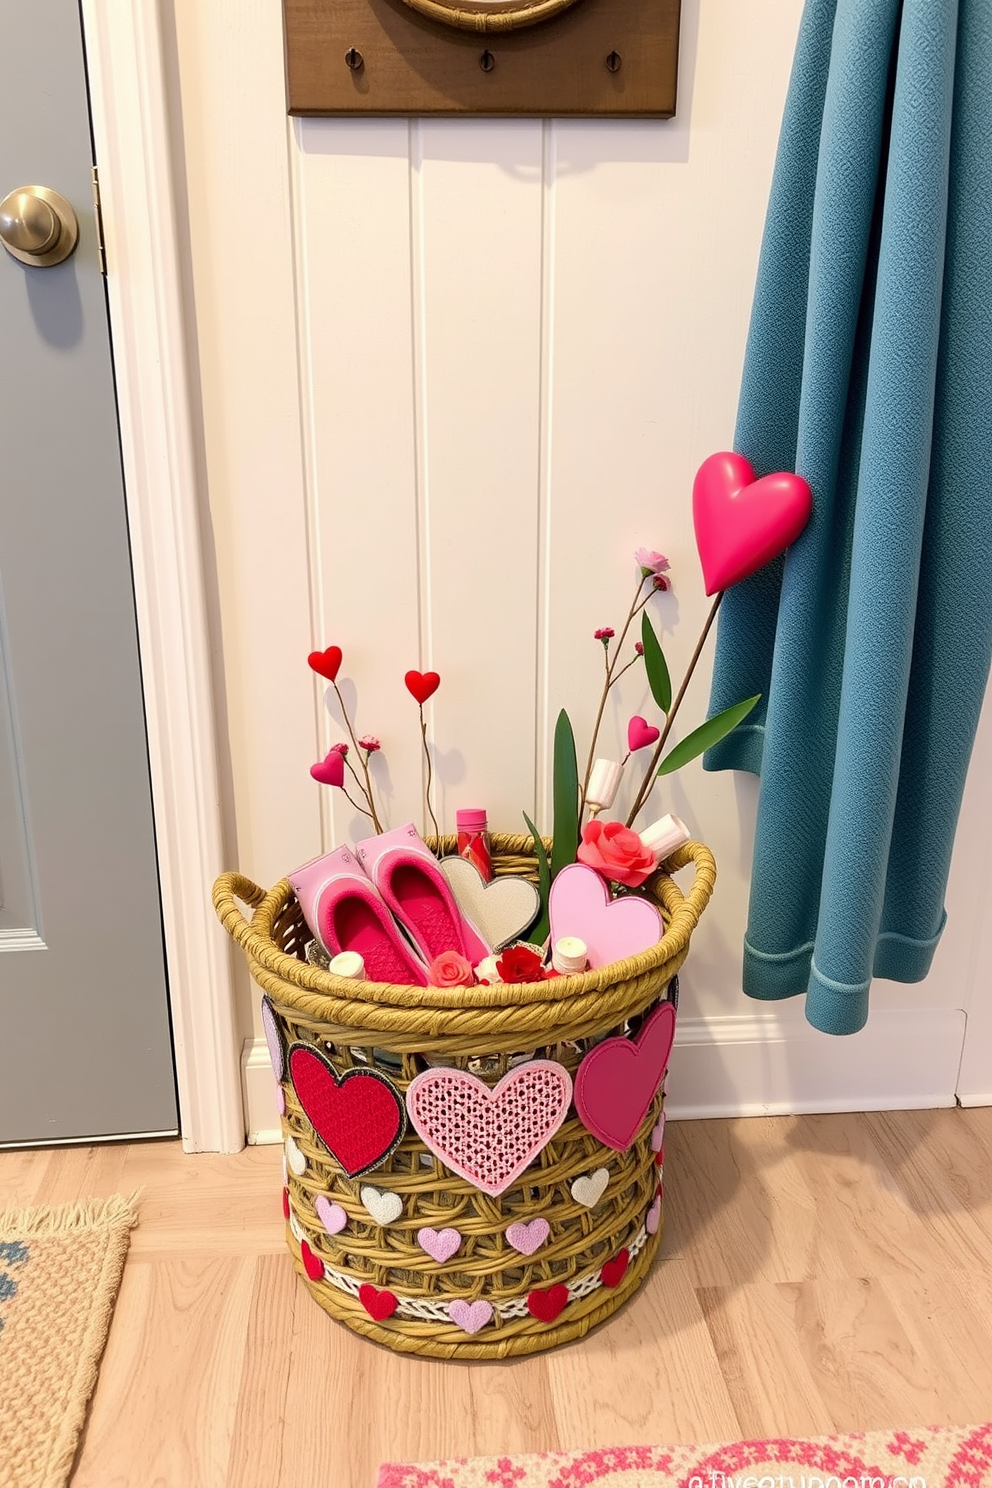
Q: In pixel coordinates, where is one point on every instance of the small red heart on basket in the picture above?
(546, 1305)
(326, 663)
(330, 770)
(312, 1264)
(743, 523)
(614, 1271)
(378, 1305)
(422, 685)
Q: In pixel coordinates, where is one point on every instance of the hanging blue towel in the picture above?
(869, 371)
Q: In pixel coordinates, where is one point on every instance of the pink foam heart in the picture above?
(653, 1219)
(613, 929)
(528, 1237)
(640, 733)
(331, 1215)
(330, 771)
(743, 523)
(470, 1315)
(440, 1245)
(658, 1134)
(488, 1137)
(618, 1079)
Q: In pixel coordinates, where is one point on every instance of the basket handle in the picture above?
(226, 891)
(686, 917)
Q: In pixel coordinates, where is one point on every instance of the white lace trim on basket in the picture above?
(422, 1309)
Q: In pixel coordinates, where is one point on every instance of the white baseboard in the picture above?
(770, 1064)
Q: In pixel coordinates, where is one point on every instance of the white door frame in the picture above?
(128, 101)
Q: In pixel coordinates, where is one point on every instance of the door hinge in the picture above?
(98, 215)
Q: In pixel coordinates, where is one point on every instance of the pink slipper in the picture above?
(345, 913)
(409, 878)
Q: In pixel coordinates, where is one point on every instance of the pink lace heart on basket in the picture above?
(488, 1137)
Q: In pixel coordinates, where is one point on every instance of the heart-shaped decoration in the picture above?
(501, 911)
(280, 1101)
(378, 1304)
(590, 1188)
(360, 1117)
(330, 770)
(470, 1315)
(618, 1079)
(326, 663)
(653, 1219)
(489, 1137)
(440, 1245)
(528, 1237)
(614, 1271)
(312, 1264)
(295, 1160)
(545, 1304)
(640, 733)
(658, 1134)
(741, 522)
(422, 685)
(331, 1215)
(613, 929)
(285, 1203)
(383, 1206)
(273, 1039)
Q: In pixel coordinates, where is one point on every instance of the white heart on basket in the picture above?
(383, 1206)
(590, 1188)
(501, 911)
(295, 1160)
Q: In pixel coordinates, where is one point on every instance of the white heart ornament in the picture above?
(295, 1160)
(590, 1188)
(384, 1207)
(501, 911)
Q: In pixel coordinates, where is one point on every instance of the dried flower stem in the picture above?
(649, 777)
(611, 678)
(367, 787)
(427, 789)
(357, 806)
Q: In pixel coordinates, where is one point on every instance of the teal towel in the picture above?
(869, 371)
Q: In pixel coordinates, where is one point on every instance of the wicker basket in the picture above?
(401, 1030)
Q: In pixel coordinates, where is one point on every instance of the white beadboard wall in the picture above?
(453, 373)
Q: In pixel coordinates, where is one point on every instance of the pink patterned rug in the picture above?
(939, 1457)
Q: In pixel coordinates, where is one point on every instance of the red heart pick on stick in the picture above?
(330, 771)
(743, 523)
(326, 663)
(422, 685)
(640, 733)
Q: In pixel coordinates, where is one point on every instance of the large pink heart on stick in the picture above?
(743, 523)
(618, 1079)
(489, 1137)
(580, 905)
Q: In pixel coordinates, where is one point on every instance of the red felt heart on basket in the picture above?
(547, 1304)
(326, 663)
(422, 685)
(618, 1079)
(378, 1304)
(489, 1137)
(312, 1264)
(359, 1118)
(614, 1271)
(742, 523)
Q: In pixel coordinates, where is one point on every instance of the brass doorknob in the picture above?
(37, 226)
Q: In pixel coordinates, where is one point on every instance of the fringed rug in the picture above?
(60, 1269)
(951, 1457)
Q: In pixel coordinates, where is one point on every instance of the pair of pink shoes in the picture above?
(357, 901)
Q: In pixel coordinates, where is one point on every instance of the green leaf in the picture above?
(541, 929)
(708, 734)
(566, 797)
(656, 666)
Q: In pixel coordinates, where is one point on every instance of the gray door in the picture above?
(85, 1045)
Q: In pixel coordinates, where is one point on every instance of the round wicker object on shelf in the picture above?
(401, 1030)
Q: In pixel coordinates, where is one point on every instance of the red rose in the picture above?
(616, 852)
(520, 964)
(450, 969)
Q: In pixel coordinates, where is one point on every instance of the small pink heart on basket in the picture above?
(331, 1215)
(528, 1237)
(613, 929)
(488, 1137)
(618, 1079)
(440, 1245)
(471, 1316)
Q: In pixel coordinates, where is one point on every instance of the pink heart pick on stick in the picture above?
(741, 522)
(640, 733)
(330, 771)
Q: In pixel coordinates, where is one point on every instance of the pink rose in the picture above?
(651, 562)
(616, 852)
(451, 969)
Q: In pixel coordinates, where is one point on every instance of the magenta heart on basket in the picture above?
(613, 929)
(489, 1136)
(618, 1079)
(359, 1118)
(640, 733)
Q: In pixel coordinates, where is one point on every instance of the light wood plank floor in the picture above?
(818, 1274)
